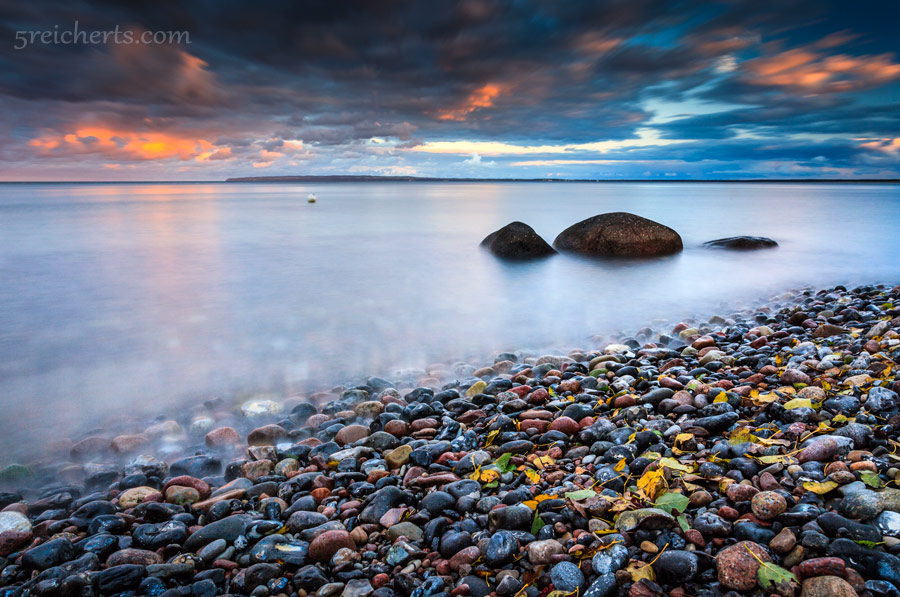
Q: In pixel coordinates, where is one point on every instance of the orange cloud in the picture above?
(125, 145)
(891, 146)
(810, 71)
(483, 97)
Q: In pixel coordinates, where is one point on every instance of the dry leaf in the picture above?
(820, 488)
(652, 484)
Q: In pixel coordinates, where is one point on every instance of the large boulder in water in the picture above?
(741, 243)
(517, 241)
(619, 234)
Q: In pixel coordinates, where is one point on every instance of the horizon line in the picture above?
(342, 178)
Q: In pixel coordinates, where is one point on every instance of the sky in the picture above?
(618, 89)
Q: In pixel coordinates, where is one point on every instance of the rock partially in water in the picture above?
(619, 234)
(517, 241)
(741, 243)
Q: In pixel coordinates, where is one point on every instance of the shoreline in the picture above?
(655, 464)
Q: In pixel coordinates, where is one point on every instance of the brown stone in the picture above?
(818, 451)
(126, 444)
(12, 541)
(178, 494)
(826, 586)
(822, 567)
(136, 495)
(741, 492)
(222, 437)
(325, 545)
(737, 566)
(566, 425)
(768, 505)
(256, 469)
(201, 486)
(464, 557)
(267, 435)
(619, 234)
(397, 428)
(89, 446)
(784, 541)
(351, 434)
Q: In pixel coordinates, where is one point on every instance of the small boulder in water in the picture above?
(517, 241)
(741, 243)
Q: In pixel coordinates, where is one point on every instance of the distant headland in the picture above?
(376, 178)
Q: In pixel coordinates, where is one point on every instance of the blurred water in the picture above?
(134, 297)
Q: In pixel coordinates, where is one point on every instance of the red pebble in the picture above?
(225, 565)
(728, 513)
(380, 580)
(539, 396)
(695, 537)
(822, 567)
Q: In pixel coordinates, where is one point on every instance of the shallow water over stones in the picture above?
(535, 479)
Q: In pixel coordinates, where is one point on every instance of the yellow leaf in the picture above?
(652, 484)
(620, 466)
(537, 500)
(742, 436)
(561, 594)
(798, 403)
(782, 458)
(720, 398)
(676, 465)
(639, 571)
(542, 462)
(533, 475)
(488, 475)
(765, 441)
(820, 488)
(476, 474)
(760, 399)
(491, 437)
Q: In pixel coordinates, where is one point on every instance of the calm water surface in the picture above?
(139, 297)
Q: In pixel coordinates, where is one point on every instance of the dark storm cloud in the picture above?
(335, 75)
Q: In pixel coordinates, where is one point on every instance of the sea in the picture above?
(143, 298)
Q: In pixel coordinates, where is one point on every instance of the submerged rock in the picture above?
(741, 243)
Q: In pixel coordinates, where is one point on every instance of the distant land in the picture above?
(373, 178)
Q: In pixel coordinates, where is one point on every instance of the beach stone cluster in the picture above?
(748, 454)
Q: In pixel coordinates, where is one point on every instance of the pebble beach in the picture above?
(752, 453)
